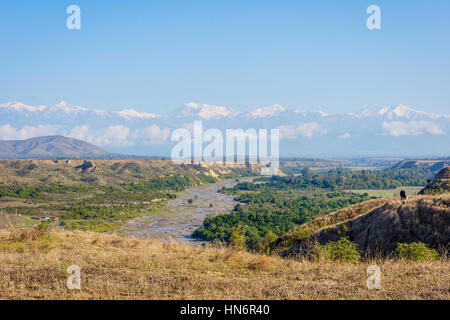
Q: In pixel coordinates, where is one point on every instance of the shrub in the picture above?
(301, 233)
(37, 237)
(43, 228)
(416, 251)
(264, 243)
(238, 238)
(342, 250)
(190, 201)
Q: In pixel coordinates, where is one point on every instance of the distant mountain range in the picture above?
(53, 146)
(388, 131)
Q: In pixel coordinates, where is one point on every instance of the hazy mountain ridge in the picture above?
(434, 165)
(50, 146)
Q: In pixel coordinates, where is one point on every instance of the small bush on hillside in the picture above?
(237, 237)
(342, 250)
(35, 238)
(43, 228)
(38, 232)
(301, 233)
(416, 251)
(264, 243)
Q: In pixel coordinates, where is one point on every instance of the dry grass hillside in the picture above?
(432, 164)
(33, 265)
(418, 219)
(94, 172)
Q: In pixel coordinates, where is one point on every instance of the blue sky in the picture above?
(155, 56)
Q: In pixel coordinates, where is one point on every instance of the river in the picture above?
(179, 219)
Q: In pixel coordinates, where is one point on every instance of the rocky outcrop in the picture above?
(440, 183)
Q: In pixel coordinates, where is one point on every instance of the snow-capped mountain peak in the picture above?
(18, 106)
(207, 111)
(379, 112)
(265, 112)
(383, 111)
(322, 113)
(399, 112)
(133, 114)
(404, 111)
(66, 107)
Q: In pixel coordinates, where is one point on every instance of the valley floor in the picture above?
(114, 267)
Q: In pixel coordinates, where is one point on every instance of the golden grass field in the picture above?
(113, 267)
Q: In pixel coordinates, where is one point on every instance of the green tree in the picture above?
(307, 173)
(264, 243)
(238, 238)
(342, 250)
(416, 251)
